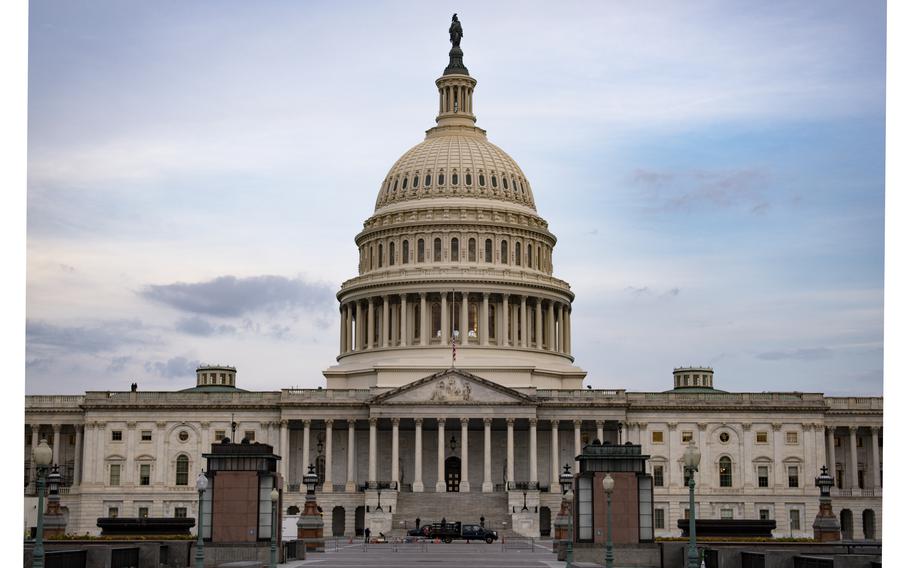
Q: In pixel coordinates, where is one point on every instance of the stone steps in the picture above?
(431, 507)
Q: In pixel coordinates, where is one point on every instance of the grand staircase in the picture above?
(431, 507)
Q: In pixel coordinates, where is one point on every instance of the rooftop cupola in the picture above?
(456, 86)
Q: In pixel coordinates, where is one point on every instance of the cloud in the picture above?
(173, 367)
(118, 364)
(690, 189)
(197, 326)
(229, 296)
(105, 337)
(810, 354)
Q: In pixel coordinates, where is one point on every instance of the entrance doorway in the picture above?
(358, 521)
(846, 524)
(869, 524)
(544, 521)
(338, 521)
(453, 474)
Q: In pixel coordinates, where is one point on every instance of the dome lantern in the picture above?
(456, 86)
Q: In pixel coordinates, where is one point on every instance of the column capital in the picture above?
(403, 296)
(328, 422)
(776, 426)
(161, 424)
(807, 426)
(510, 422)
(418, 422)
(441, 422)
(672, 425)
(487, 421)
(395, 421)
(524, 297)
(464, 421)
(853, 429)
(554, 423)
(58, 427)
(747, 426)
(577, 423)
(352, 422)
(202, 425)
(875, 429)
(599, 423)
(423, 295)
(306, 422)
(88, 425)
(505, 296)
(486, 295)
(284, 422)
(532, 422)
(373, 421)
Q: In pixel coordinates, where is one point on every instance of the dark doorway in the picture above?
(869, 524)
(358, 521)
(338, 521)
(846, 524)
(544, 521)
(453, 474)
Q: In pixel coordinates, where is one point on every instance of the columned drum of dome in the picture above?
(455, 257)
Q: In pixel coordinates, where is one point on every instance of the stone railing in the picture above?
(740, 399)
(152, 398)
(55, 401)
(437, 271)
(582, 394)
(315, 395)
(855, 402)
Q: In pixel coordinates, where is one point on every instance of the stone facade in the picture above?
(455, 373)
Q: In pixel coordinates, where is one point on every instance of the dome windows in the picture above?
(415, 181)
(503, 252)
(505, 183)
(380, 255)
(488, 251)
(420, 251)
(427, 180)
(493, 181)
(405, 251)
(437, 250)
(392, 254)
(467, 179)
(441, 180)
(472, 250)
(518, 254)
(454, 178)
(483, 182)
(454, 252)
(530, 256)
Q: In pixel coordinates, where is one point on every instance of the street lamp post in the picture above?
(691, 457)
(608, 489)
(42, 456)
(566, 480)
(273, 553)
(202, 483)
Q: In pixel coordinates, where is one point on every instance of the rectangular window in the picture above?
(836, 442)
(762, 476)
(686, 437)
(726, 513)
(839, 478)
(686, 513)
(112, 512)
(761, 437)
(116, 435)
(658, 518)
(794, 519)
(143, 512)
(793, 476)
(145, 474)
(657, 437)
(250, 435)
(764, 514)
(792, 437)
(658, 476)
(859, 442)
(115, 474)
(146, 436)
(219, 435)
(860, 478)
(180, 512)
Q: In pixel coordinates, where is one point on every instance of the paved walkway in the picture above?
(455, 555)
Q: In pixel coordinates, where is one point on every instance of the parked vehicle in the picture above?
(457, 531)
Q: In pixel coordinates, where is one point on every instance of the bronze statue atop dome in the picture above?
(455, 32)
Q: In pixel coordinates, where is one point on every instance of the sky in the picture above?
(197, 171)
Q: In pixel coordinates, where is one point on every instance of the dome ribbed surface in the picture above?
(463, 162)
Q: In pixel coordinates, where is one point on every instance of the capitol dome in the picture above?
(456, 266)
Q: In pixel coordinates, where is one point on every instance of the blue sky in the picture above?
(714, 172)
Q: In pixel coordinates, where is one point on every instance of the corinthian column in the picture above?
(327, 487)
(440, 455)
(523, 324)
(577, 424)
(555, 488)
(351, 485)
(371, 325)
(395, 475)
(484, 318)
(551, 328)
(464, 318)
(504, 321)
(510, 450)
(538, 324)
(444, 313)
(532, 443)
(385, 322)
(417, 486)
(487, 486)
(359, 323)
(464, 486)
(372, 466)
(424, 321)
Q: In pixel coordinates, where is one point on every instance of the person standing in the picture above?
(366, 535)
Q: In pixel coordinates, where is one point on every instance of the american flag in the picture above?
(453, 349)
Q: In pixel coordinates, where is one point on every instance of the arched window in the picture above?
(472, 250)
(441, 180)
(468, 179)
(415, 181)
(454, 179)
(491, 321)
(726, 472)
(405, 252)
(504, 253)
(372, 266)
(472, 320)
(394, 185)
(420, 250)
(505, 182)
(428, 180)
(436, 317)
(483, 181)
(391, 254)
(404, 182)
(183, 471)
(488, 250)
(530, 256)
(539, 266)
(454, 252)
(437, 250)
(517, 254)
(380, 255)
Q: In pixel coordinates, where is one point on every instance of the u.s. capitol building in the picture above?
(456, 260)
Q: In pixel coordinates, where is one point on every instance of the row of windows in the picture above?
(143, 512)
(660, 520)
(183, 435)
(761, 437)
(725, 474)
(181, 472)
(528, 255)
(401, 183)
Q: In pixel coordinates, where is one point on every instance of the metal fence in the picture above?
(125, 558)
(812, 562)
(518, 543)
(65, 559)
